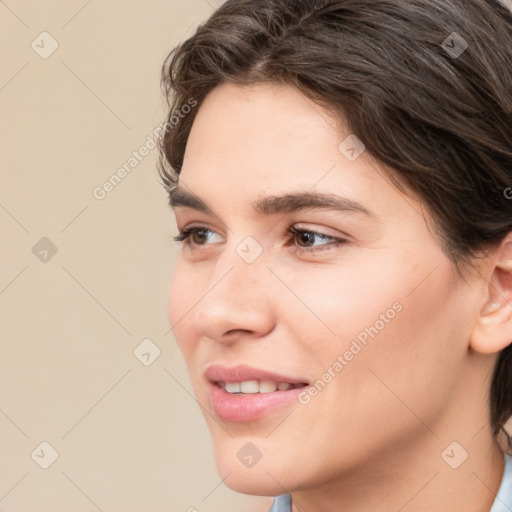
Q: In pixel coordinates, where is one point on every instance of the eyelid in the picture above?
(193, 225)
(187, 231)
(301, 226)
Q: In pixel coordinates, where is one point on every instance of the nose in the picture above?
(237, 303)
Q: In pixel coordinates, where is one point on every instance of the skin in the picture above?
(372, 438)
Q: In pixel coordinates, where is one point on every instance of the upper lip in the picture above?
(242, 372)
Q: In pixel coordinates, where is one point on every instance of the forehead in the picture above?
(263, 117)
(268, 139)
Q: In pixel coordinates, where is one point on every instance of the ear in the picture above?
(493, 328)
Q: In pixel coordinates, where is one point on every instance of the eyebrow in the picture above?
(270, 205)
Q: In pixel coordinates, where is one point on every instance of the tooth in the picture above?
(254, 386)
(267, 386)
(233, 387)
(249, 386)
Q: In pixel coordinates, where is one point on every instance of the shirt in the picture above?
(502, 503)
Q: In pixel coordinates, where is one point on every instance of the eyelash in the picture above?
(184, 236)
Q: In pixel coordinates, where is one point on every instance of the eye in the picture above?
(308, 237)
(307, 240)
(195, 235)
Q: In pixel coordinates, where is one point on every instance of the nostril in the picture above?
(233, 332)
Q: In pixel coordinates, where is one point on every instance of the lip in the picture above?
(241, 372)
(246, 408)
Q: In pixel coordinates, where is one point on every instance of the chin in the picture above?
(260, 478)
(255, 484)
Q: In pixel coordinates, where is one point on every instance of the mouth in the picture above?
(250, 387)
(244, 394)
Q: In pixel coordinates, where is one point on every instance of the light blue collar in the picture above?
(282, 503)
(502, 503)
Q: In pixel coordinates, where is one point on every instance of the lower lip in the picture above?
(244, 408)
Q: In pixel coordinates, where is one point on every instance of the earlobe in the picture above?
(493, 328)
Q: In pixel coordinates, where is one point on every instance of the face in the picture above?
(351, 306)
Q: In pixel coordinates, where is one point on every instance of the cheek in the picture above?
(370, 298)
(341, 305)
(181, 299)
(401, 345)
(176, 290)
(391, 320)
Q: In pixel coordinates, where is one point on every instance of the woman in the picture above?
(341, 175)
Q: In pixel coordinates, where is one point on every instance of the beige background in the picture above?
(129, 437)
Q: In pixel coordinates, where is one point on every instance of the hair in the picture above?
(426, 85)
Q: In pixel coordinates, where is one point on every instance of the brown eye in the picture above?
(306, 238)
(199, 236)
(195, 236)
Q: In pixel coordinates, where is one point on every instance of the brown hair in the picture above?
(426, 85)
